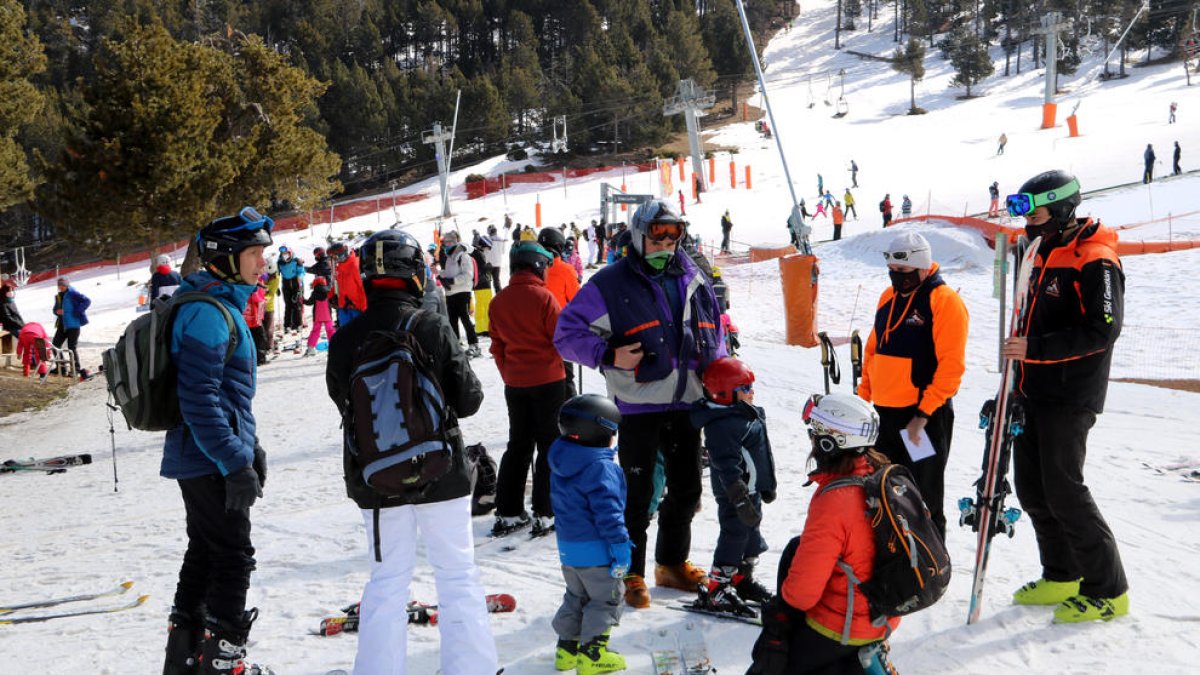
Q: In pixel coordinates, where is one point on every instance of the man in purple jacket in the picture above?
(651, 323)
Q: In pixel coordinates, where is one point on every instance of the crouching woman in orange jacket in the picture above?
(826, 634)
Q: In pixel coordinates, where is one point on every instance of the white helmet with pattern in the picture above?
(839, 423)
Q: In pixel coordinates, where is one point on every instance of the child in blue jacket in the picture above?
(587, 491)
(742, 470)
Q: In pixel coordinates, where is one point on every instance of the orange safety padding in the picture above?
(679, 163)
(1125, 248)
(798, 274)
(761, 253)
(748, 177)
(1049, 113)
(537, 213)
(732, 174)
(1073, 125)
(712, 170)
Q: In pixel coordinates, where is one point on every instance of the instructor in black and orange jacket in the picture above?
(1063, 349)
(913, 362)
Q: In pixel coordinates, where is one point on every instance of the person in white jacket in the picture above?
(458, 278)
(496, 257)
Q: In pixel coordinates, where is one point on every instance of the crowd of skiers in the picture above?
(654, 323)
(34, 352)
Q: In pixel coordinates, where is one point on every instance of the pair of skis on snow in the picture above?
(11, 614)
(419, 613)
(687, 656)
(49, 465)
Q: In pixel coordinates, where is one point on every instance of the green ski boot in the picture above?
(1042, 592)
(1081, 608)
(566, 655)
(595, 658)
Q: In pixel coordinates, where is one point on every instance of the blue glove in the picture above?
(622, 555)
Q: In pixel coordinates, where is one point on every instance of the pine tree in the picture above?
(21, 57)
(175, 133)
(726, 42)
(970, 59)
(910, 60)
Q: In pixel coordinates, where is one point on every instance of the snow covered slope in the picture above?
(72, 533)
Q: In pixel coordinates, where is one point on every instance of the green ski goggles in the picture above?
(1023, 203)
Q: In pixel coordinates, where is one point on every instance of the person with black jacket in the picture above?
(10, 318)
(394, 276)
(1063, 350)
(322, 267)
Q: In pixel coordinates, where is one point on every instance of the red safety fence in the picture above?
(338, 213)
(494, 184)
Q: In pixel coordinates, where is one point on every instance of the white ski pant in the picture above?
(467, 646)
(591, 244)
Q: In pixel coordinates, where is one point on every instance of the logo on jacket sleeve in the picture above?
(915, 319)
(1052, 288)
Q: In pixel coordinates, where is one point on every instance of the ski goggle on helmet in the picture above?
(839, 422)
(1024, 203)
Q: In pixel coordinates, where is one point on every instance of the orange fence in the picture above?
(492, 185)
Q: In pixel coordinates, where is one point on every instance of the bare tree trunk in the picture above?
(191, 261)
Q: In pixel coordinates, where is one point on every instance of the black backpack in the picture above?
(912, 567)
(396, 423)
(139, 373)
(883, 207)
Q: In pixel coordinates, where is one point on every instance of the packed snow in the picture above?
(74, 533)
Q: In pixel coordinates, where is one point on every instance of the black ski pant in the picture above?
(851, 210)
(259, 334)
(495, 272)
(930, 473)
(569, 383)
(219, 558)
(736, 541)
(532, 424)
(810, 653)
(837, 231)
(724, 241)
(1148, 174)
(459, 306)
(71, 337)
(293, 319)
(1074, 542)
(640, 440)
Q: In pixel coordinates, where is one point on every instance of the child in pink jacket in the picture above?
(322, 317)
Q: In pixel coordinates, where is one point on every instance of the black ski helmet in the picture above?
(529, 255)
(589, 419)
(222, 241)
(393, 254)
(552, 240)
(1062, 209)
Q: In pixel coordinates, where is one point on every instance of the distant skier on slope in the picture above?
(1064, 352)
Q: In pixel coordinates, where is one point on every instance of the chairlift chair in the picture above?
(843, 108)
(828, 88)
(811, 97)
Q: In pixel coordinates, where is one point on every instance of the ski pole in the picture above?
(825, 359)
(112, 434)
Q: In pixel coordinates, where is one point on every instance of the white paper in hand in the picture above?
(921, 450)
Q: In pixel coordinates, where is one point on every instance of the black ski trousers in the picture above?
(71, 337)
(219, 558)
(532, 423)
(640, 440)
(929, 473)
(1073, 540)
(293, 319)
(459, 307)
(810, 653)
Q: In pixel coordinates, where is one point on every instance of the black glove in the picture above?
(260, 464)
(768, 496)
(242, 489)
(739, 496)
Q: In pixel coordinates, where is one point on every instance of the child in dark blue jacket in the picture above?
(587, 491)
(742, 470)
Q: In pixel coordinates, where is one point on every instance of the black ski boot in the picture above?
(747, 587)
(721, 595)
(224, 650)
(185, 634)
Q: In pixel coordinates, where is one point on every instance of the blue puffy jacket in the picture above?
(291, 269)
(74, 308)
(587, 490)
(217, 435)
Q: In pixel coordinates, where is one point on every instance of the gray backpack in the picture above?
(140, 375)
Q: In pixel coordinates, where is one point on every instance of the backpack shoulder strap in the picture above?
(848, 481)
(200, 296)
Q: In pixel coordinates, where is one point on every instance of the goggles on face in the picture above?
(745, 389)
(902, 256)
(664, 231)
(1024, 203)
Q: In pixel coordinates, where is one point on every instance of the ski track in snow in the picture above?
(71, 533)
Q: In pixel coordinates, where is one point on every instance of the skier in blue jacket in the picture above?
(214, 451)
(587, 490)
(70, 308)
